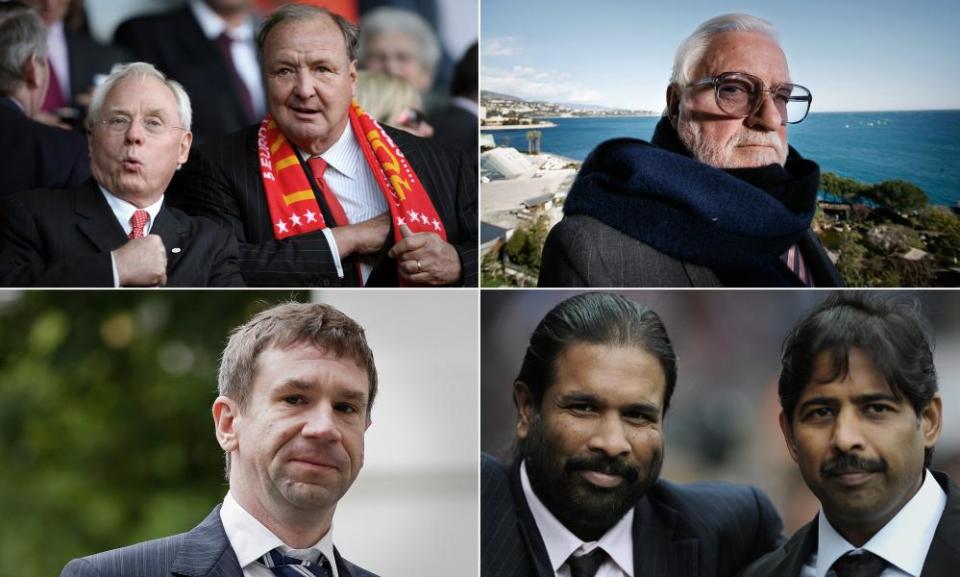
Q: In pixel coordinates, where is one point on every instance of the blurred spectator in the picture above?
(208, 46)
(32, 155)
(392, 101)
(401, 43)
(346, 8)
(75, 62)
(457, 125)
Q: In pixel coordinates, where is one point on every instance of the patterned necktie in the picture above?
(586, 565)
(794, 261)
(862, 564)
(138, 221)
(319, 166)
(284, 566)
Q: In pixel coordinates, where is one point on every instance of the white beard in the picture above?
(727, 155)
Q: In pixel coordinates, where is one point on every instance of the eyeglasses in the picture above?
(153, 125)
(741, 94)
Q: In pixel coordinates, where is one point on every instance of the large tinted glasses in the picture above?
(741, 94)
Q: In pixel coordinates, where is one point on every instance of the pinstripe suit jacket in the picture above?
(698, 530)
(203, 552)
(222, 181)
(63, 238)
(943, 557)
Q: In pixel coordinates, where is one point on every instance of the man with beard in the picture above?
(296, 385)
(583, 498)
(861, 415)
(717, 198)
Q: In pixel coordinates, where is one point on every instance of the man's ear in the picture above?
(33, 71)
(225, 413)
(931, 421)
(525, 408)
(788, 437)
(673, 103)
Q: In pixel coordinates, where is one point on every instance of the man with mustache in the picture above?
(116, 229)
(583, 497)
(861, 415)
(296, 384)
(717, 198)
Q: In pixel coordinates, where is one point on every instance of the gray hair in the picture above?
(22, 35)
(692, 48)
(140, 70)
(384, 20)
(299, 12)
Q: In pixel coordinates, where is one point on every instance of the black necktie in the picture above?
(861, 564)
(586, 565)
(283, 566)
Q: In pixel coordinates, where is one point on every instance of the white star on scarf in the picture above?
(413, 215)
(436, 224)
(311, 216)
(295, 219)
(282, 226)
(424, 219)
(400, 221)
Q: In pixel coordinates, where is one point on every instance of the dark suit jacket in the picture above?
(699, 530)
(34, 155)
(203, 552)
(222, 181)
(174, 42)
(87, 58)
(582, 251)
(943, 557)
(64, 238)
(458, 129)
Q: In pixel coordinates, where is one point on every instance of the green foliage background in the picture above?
(106, 435)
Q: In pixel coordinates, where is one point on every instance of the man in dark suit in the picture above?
(456, 126)
(296, 386)
(208, 46)
(717, 197)
(584, 497)
(861, 415)
(308, 56)
(32, 154)
(115, 229)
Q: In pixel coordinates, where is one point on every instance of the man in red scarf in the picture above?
(317, 193)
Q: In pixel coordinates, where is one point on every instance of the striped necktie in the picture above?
(284, 566)
(586, 565)
(863, 564)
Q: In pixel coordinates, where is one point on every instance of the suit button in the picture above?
(326, 282)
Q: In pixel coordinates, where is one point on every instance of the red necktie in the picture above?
(224, 43)
(319, 166)
(54, 98)
(138, 221)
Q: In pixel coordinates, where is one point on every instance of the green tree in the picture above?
(897, 195)
(846, 188)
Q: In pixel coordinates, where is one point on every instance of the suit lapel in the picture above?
(659, 546)
(529, 534)
(97, 222)
(172, 231)
(206, 552)
(943, 558)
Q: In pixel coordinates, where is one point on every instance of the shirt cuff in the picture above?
(334, 251)
(116, 274)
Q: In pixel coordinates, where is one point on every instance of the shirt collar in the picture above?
(345, 155)
(470, 106)
(561, 543)
(123, 210)
(918, 518)
(251, 540)
(213, 26)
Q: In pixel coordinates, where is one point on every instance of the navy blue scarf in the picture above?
(736, 222)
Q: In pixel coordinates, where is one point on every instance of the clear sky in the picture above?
(853, 55)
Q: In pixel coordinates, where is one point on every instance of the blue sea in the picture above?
(920, 147)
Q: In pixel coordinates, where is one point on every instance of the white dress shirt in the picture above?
(59, 58)
(250, 540)
(356, 189)
(903, 542)
(561, 543)
(243, 48)
(123, 210)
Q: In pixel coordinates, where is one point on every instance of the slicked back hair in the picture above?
(596, 319)
(300, 12)
(893, 334)
(22, 35)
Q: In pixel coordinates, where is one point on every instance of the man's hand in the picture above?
(142, 262)
(424, 258)
(365, 237)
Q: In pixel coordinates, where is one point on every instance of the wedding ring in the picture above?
(419, 268)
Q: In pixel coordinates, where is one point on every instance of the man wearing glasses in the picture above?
(116, 230)
(717, 198)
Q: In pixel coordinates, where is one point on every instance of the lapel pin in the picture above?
(175, 250)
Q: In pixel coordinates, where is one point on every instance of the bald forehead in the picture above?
(751, 52)
(315, 32)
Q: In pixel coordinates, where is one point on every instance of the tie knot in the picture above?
(138, 222)
(282, 565)
(318, 165)
(859, 564)
(586, 565)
